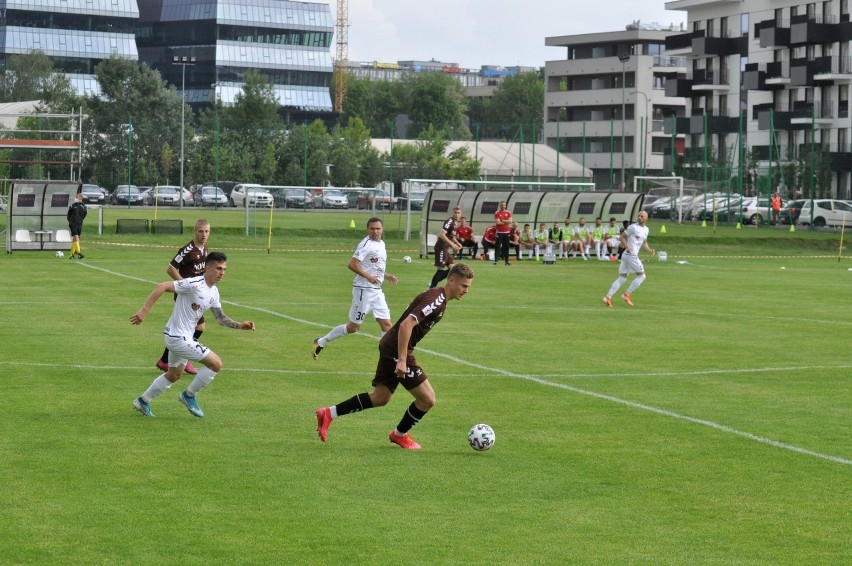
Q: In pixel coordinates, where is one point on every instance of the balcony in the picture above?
(681, 125)
(818, 113)
(681, 43)
(803, 72)
(839, 71)
(805, 30)
(718, 46)
(715, 124)
(753, 77)
(704, 80)
(840, 157)
(772, 34)
(678, 86)
(777, 74)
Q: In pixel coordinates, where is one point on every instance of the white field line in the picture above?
(540, 381)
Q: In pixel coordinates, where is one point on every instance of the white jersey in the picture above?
(373, 258)
(636, 234)
(194, 297)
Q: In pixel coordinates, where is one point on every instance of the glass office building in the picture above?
(288, 42)
(75, 34)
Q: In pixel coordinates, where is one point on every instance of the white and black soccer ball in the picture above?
(60, 253)
(406, 259)
(481, 437)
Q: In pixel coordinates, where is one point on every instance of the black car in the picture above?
(126, 194)
(92, 194)
(790, 212)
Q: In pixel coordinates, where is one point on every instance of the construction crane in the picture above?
(342, 30)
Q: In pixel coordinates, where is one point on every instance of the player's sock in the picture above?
(336, 332)
(360, 402)
(158, 386)
(618, 283)
(202, 379)
(411, 417)
(439, 276)
(635, 284)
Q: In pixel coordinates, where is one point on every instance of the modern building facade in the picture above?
(75, 34)
(288, 42)
(780, 67)
(606, 105)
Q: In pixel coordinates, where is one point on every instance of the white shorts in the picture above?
(183, 349)
(612, 242)
(630, 264)
(365, 301)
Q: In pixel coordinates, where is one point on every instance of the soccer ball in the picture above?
(60, 254)
(406, 259)
(481, 437)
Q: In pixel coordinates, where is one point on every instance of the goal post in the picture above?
(665, 196)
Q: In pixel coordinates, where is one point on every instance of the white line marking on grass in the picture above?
(540, 381)
(649, 408)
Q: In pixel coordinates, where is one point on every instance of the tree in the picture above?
(436, 100)
(130, 95)
(517, 102)
(32, 76)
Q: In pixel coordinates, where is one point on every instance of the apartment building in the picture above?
(777, 70)
(606, 104)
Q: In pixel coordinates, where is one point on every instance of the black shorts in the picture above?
(76, 230)
(386, 374)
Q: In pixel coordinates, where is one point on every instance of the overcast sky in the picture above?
(473, 33)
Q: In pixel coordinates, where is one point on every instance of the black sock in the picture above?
(165, 357)
(439, 276)
(197, 334)
(360, 402)
(411, 417)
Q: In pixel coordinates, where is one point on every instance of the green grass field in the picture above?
(711, 424)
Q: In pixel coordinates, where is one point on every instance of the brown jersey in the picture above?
(190, 260)
(450, 228)
(427, 308)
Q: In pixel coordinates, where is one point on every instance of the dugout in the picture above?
(527, 207)
(36, 215)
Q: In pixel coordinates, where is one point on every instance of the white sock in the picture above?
(622, 279)
(158, 386)
(202, 379)
(336, 332)
(635, 284)
(382, 334)
(333, 411)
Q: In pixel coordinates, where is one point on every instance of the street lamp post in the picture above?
(624, 59)
(183, 61)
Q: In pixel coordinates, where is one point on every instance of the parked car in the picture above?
(295, 198)
(377, 198)
(92, 194)
(417, 200)
(331, 198)
(210, 196)
(826, 212)
(249, 194)
(790, 211)
(163, 195)
(187, 196)
(126, 194)
(757, 209)
(722, 205)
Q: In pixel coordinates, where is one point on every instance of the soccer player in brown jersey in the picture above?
(397, 364)
(446, 247)
(189, 262)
